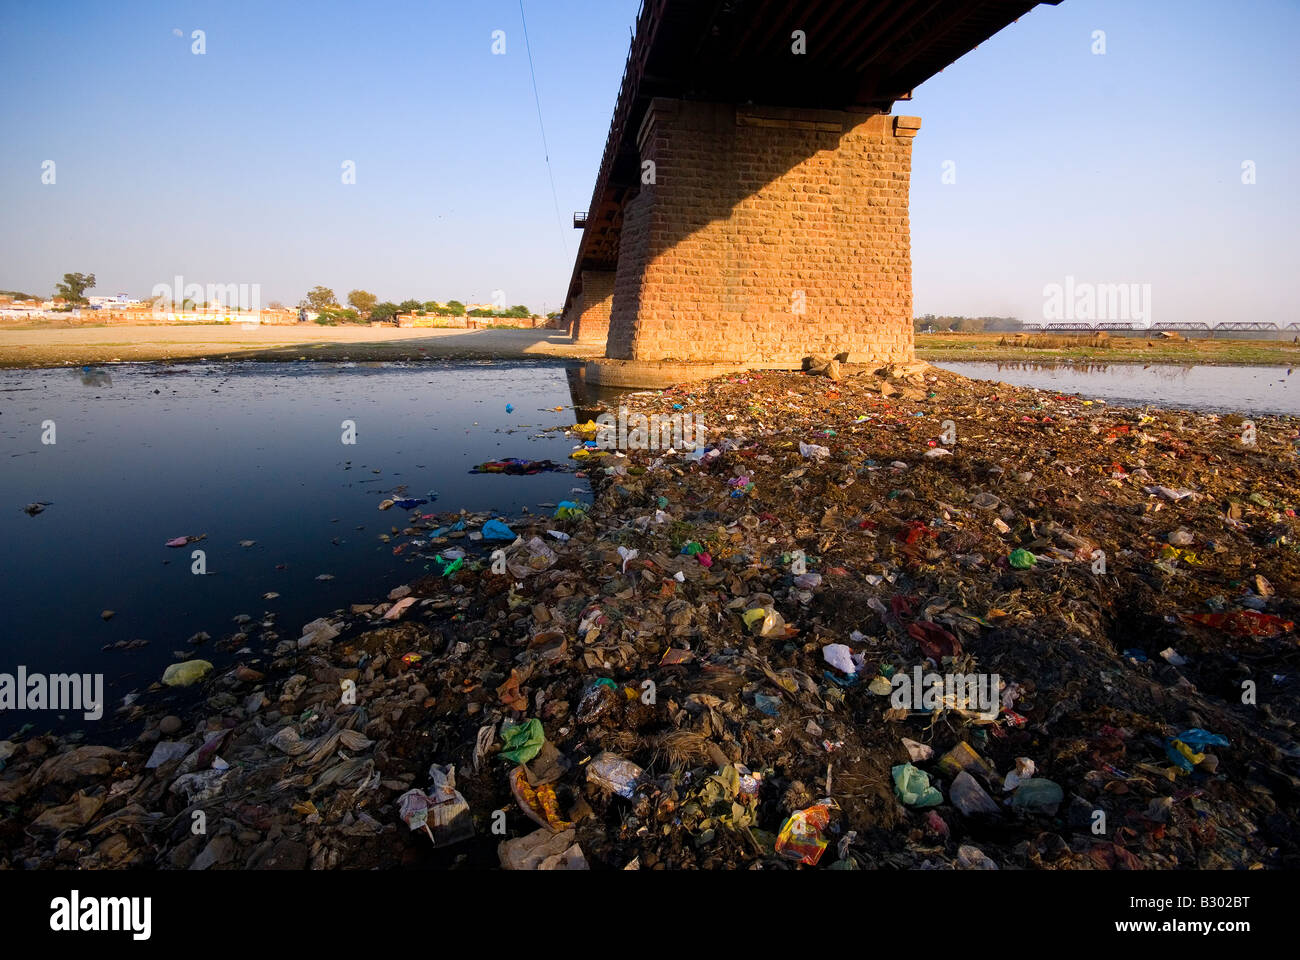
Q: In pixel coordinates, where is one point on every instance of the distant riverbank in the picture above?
(937, 347)
(55, 346)
(62, 346)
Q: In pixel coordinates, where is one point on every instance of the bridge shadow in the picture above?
(542, 344)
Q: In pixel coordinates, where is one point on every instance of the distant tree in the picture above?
(275, 305)
(18, 295)
(520, 311)
(321, 298)
(480, 313)
(362, 301)
(410, 306)
(74, 287)
(384, 311)
(456, 307)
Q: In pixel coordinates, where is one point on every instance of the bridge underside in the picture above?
(752, 204)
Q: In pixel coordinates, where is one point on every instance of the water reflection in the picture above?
(254, 456)
(95, 377)
(1234, 389)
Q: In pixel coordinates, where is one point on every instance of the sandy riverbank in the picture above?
(76, 346)
(54, 346)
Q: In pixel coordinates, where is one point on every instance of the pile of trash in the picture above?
(881, 620)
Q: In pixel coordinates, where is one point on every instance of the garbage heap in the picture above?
(891, 619)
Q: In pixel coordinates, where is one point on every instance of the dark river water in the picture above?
(238, 452)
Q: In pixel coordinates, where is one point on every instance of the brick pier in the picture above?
(767, 235)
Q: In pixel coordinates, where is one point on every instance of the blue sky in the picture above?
(226, 167)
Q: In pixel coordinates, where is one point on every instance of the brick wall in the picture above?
(592, 323)
(751, 208)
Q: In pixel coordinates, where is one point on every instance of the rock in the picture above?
(169, 724)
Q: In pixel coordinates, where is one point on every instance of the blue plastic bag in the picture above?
(494, 529)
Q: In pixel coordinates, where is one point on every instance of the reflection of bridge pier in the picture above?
(751, 207)
(589, 399)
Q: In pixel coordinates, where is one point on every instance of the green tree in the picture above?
(456, 307)
(410, 306)
(384, 311)
(362, 301)
(74, 287)
(321, 298)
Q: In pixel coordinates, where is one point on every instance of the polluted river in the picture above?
(386, 615)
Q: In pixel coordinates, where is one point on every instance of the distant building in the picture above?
(119, 302)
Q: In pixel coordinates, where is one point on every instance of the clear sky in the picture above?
(226, 167)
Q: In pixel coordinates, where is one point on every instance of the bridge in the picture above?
(751, 206)
(1181, 326)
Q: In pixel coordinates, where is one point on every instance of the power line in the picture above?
(555, 197)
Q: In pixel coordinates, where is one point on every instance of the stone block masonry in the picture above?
(765, 234)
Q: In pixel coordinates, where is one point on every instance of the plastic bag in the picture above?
(913, 786)
(186, 673)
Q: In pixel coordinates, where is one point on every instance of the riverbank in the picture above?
(681, 672)
(940, 347)
(28, 347)
(52, 346)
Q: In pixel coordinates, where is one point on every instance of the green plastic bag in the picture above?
(1037, 795)
(1022, 559)
(523, 740)
(913, 787)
